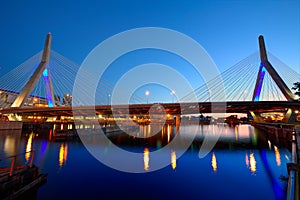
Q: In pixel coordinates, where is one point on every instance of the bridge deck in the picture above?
(170, 108)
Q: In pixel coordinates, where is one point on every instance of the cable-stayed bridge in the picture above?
(43, 84)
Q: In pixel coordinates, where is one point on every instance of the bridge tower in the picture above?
(42, 69)
(265, 66)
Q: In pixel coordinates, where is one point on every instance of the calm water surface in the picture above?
(244, 164)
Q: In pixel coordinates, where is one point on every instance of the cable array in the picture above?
(239, 81)
(63, 73)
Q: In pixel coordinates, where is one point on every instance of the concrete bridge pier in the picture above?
(256, 117)
(177, 122)
(290, 116)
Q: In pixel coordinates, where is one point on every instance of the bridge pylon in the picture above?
(265, 66)
(42, 69)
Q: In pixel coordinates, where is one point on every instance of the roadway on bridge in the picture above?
(169, 108)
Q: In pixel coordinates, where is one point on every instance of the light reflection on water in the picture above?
(237, 133)
(63, 154)
(9, 145)
(247, 160)
(252, 163)
(9, 142)
(214, 162)
(146, 159)
(29, 147)
(173, 160)
(242, 161)
(277, 156)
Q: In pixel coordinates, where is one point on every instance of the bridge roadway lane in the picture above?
(169, 108)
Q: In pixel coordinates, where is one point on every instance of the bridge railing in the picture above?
(14, 158)
(293, 170)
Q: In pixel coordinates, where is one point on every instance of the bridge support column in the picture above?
(42, 69)
(177, 122)
(290, 116)
(265, 65)
(256, 117)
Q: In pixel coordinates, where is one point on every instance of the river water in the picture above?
(244, 164)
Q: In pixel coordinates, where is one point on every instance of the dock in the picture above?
(291, 133)
(293, 190)
(16, 181)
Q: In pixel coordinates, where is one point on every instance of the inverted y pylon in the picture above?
(42, 69)
(265, 66)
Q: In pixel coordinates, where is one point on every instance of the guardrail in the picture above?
(13, 160)
(293, 171)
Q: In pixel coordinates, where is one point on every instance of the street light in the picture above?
(147, 94)
(172, 93)
(108, 98)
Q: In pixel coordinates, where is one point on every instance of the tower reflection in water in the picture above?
(255, 163)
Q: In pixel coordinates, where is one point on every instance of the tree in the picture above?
(297, 88)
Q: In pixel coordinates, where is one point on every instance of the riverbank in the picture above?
(290, 133)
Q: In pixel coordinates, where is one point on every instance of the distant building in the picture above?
(8, 97)
(67, 100)
(57, 100)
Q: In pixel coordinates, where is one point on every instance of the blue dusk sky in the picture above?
(227, 30)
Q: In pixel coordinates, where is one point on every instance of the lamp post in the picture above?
(147, 94)
(172, 93)
(108, 98)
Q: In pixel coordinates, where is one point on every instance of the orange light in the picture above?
(28, 147)
(50, 135)
(173, 160)
(146, 159)
(214, 162)
(277, 156)
(169, 133)
(247, 160)
(63, 153)
(252, 163)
